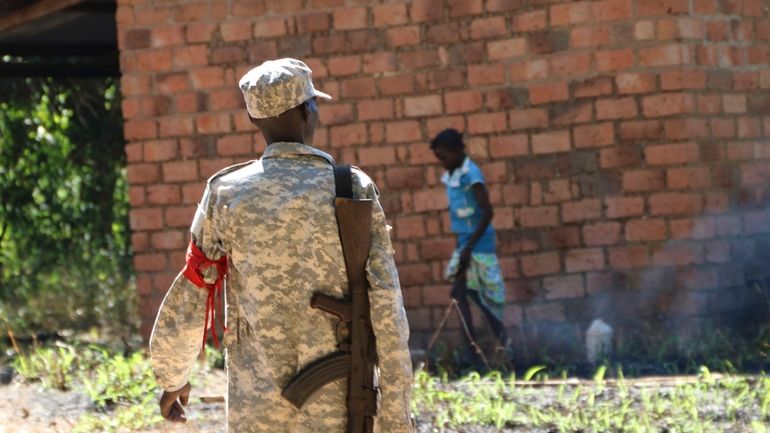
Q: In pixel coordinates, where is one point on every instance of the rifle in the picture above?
(357, 358)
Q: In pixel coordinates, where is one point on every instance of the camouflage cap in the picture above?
(277, 86)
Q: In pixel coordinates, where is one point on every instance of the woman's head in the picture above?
(449, 148)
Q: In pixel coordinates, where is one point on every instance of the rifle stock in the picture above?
(354, 220)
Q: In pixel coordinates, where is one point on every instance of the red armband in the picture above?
(196, 262)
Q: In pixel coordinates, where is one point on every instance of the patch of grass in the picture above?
(52, 366)
(710, 404)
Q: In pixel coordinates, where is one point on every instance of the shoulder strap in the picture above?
(343, 180)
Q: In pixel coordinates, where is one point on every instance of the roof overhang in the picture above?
(58, 38)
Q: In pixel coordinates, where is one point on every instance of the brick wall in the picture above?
(624, 142)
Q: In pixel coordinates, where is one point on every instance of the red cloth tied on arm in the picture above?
(196, 262)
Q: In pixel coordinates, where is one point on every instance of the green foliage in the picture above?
(119, 379)
(138, 416)
(709, 404)
(52, 366)
(64, 234)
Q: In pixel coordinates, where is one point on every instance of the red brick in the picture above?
(515, 194)
(614, 60)
(544, 93)
(551, 142)
(336, 114)
(689, 178)
(722, 128)
(701, 228)
(629, 83)
(682, 79)
(581, 210)
(346, 65)
(572, 113)
(678, 255)
(570, 13)
(564, 287)
(426, 10)
(207, 77)
(487, 122)
(350, 18)
(623, 108)
(570, 64)
(507, 48)
(606, 233)
(390, 14)
(146, 219)
(404, 177)
(530, 21)
(643, 180)
(602, 134)
(228, 54)
(403, 36)
(164, 194)
(271, 27)
(675, 203)
(539, 216)
(160, 150)
(168, 240)
(179, 216)
(611, 10)
(435, 125)
(375, 109)
(581, 260)
(201, 32)
(359, 88)
(754, 173)
(422, 106)
(668, 55)
(463, 101)
(534, 69)
(558, 191)
(134, 39)
(149, 262)
(734, 104)
(140, 129)
(667, 154)
(240, 144)
(348, 135)
(540, 264)
(376, 156)
(622, 207)
(644, 30)
(504, 5)
(420, 59)
(443, 33)
(176, 171)
(484, 28)
(136, 196)
(585, 37)
(380, 62)
(509, 145)
(458, 8)
(619, 156)
(312, 22)
(192, 55)
(403, 131)
(645, 230)
(592, 87)
(483, 75)
(528, 119)
(651, 8)
(213, 123)
(428, 200)
(667, 104)
(628, 257)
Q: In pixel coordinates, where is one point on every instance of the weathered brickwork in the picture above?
(625, 142)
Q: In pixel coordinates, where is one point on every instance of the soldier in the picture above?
(269, 226)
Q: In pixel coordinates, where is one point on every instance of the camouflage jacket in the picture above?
(274, 219)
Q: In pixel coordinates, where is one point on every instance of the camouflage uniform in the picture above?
(274, 219)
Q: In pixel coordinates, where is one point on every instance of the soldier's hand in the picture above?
(171, 403)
